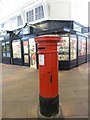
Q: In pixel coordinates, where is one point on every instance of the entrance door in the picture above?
(26, 53)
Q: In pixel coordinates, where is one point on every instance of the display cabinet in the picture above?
(82, 49)
(67, 51)
(17, 57)
(32, 53)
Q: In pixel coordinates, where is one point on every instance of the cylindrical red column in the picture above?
(48, 74)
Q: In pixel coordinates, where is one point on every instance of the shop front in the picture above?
(29, 47)
(72, 49)
(24, 48)
(67, 51)
(29, 51)
(32, 53)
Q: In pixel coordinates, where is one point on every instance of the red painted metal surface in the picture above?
(48, 65)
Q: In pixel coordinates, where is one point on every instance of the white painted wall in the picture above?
(79, 11)
(76, 10)
(59, 9)
(33, 5)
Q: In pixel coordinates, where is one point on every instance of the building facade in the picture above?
(59, 17)
(35, 11)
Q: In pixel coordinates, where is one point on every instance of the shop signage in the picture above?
(26, 30)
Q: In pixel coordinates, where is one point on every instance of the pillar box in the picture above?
(48, 75)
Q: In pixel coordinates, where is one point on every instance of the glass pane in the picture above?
(32, 52)
(3, 49)
(30, 16)
(81, 46)
(39, 12)
(88, 46)
(8, 54)
(73, 47)
(25, 45)
(16, 49)
(63, 49)
(7, 47)
(26, 59)
(19, 20)
(4, 54)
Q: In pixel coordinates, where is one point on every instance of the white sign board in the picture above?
(41, 59)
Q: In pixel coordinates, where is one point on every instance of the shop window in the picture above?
(5, 49)
(30, 16)
(16, 45)
(63, 48)
(81, 46)
(39, 12)
(19, 20)
(73, 47)
(8, 50)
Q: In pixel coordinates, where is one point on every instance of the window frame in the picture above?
(19, 20)
(39, 12)
(28, 18)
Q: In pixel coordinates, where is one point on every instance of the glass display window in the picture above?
(25, 44)
(3, 49)
(32, 52)
(16, 45)
(73, 47)
(8, 50)
(7, 47)
(26, 59)
(88, 46)
(4, 54)
(63, 48)
(8, 54)
(81, 46)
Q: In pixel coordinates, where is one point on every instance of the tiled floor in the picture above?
(21, 90)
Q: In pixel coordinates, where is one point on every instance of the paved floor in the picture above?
(21, 89)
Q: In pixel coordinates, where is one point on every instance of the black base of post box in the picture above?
(49, 106)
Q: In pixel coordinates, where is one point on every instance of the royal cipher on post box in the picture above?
(48, 74)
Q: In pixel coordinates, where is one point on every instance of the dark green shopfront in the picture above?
(21, 49)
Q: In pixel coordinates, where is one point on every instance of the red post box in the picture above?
(48, 74)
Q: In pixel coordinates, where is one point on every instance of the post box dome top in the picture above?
(47, 38)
